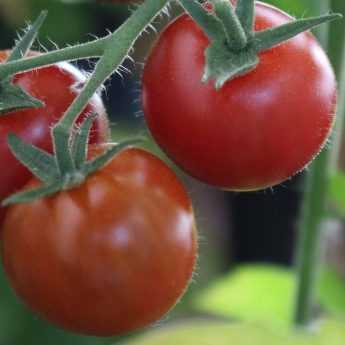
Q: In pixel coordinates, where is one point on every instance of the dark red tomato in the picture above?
(258, 129)
(108, 257)
(56, 86)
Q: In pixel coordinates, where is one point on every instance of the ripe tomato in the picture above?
(109, 256)
(258, 129)
(56, 86)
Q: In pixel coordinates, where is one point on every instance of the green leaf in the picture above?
(251, 293)
(332, 292)
(208, 333)
(265, 294)
(337, 191)
(329, 332)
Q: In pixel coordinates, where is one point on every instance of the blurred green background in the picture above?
(246, 240)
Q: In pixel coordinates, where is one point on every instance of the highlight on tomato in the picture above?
(257, 129)
(106, 257)
(56, 86)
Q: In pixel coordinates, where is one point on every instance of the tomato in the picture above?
(56, 86)
(258, 129)
(109, 256)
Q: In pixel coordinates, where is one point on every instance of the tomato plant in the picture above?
(57, 86)
(258, 129)
(109, 256)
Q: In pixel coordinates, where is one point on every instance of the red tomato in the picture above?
(56, 86)
(109, 256)
(258, 129)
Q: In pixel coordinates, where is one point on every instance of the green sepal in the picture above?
(269, 38)
(44, 166)
(223, 64)
(81, 139)
(234, 46)
(100, 161)
(24, 44)
(13, 97)
(33, 194)
(40, 163)
(235, 34)
(245, 14)
(210, 24)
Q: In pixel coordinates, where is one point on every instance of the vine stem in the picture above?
(116, 50)
(313, 210)
(80, 51)
(123, 39)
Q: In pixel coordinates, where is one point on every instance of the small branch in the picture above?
(246, 14)
(210, 25)
(236, 36)
(86, 50)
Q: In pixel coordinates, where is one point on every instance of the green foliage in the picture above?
(251, 293)
(266, 294)
(337, 192)
(330, 332)
(332, 292)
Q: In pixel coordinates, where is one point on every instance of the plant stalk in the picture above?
(81, 51)
(116, 50)
(312, 213)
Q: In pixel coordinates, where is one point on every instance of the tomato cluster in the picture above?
(109, 256)
(116, 252)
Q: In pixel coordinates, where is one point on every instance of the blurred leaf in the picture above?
(207, 333)
(330, 332)
(294, 7)
(337, 191)
(266, 293)
(332, 292)
(251, 293)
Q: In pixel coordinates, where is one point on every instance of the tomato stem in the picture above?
(116, 50)
(246, 13)
(337, 51)
(311, 218)
(80, 51)
(236, 36)
(240, 55)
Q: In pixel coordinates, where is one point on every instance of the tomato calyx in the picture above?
(51, 172)
(13, 97)
(234, 45)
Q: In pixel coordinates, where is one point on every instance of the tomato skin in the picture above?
(109, 256)
(56, 86)
(258, 129)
